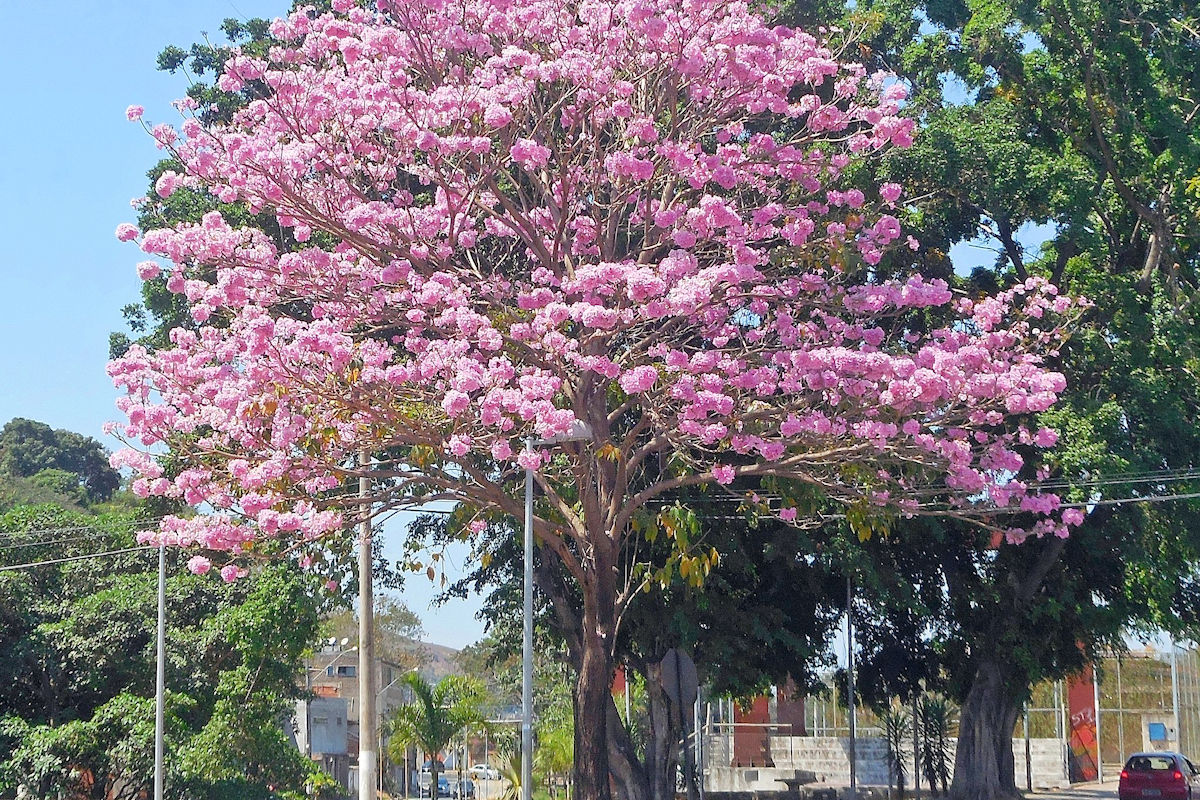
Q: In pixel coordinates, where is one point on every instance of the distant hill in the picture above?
(442, 661)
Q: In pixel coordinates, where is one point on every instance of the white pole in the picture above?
(527, 644)
(160, 677)
(1028, 755)
(850, 686)
(367, 718)
(1120, 709)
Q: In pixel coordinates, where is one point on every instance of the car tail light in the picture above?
(1124, 773)
(1178, 776)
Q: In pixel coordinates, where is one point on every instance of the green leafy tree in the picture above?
(1077, 116)
(435, 716)
(76, 707)
(397, 631)
(761, 616)
(62, 461)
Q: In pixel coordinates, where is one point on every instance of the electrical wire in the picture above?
(97, 529)
(49, 542)
(33, 564)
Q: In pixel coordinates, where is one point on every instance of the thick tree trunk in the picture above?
(628, 774)
(983, 764)
(662, 747)
(593, 689)
(653, 778)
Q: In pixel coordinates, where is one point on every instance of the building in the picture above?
(327, 726)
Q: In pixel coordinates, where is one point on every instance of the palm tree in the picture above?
(895, 731)
(434, 716)
(510, 771)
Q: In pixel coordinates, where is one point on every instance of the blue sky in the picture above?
(70, 164)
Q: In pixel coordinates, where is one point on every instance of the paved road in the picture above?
(1084, 791)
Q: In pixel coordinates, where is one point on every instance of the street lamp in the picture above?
(580, 431)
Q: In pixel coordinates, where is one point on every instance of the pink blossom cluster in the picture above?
(548, 212)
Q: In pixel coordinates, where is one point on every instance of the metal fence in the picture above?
(1134, 690)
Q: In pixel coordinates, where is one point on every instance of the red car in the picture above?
(1169, 776)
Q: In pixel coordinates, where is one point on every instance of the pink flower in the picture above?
(331, 585)
(1072, 516)
(529, 154)
(126, 232)
(724, 474)
(134, 113)
(166, 184)
(477, 526)
(890, 192)
(148, 270)
(529, 459)
(199, 565)
(788, 514)
(497, 116)
(1046, 437)
(639, 379)
(229, 573)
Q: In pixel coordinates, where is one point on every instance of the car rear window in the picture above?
(1150, 764)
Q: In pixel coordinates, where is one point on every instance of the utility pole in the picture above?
(850, 685)
(368, 733)
(1175, 695)
(527, 644)
(160, 676)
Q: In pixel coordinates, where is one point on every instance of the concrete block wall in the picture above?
(829, 759)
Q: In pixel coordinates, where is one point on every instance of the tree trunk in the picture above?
(662, 746)
(593, 689)
(983, 764)
(628, 773)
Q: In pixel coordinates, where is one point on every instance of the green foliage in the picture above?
(59, 461)
(15, 492)
(935, 714)
(397, 631)
(77, 682)
(435, 716)
(897, 727)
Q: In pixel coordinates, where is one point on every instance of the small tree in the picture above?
(896, 729)
(936, 757)
(435, 716)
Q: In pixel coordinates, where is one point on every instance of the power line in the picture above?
(33, 564)
(49, 542)
(98, 528)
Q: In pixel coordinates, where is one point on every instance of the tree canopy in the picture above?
(61, 461)
(1075, 119)
(516, 222)
(76, 701)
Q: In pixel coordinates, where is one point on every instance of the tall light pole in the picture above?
(527, 643)
(368, 733)
(579, 432)
(850, 686)
(160, 676)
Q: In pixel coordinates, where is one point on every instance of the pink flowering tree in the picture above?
(502, 221)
